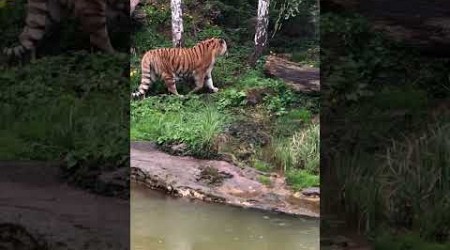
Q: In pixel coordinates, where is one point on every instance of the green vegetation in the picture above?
(256, 120)
(408, 241)
(264, 180)
(171, 120)
(71, 108)
(390, 155)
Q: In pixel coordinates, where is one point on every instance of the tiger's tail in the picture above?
(147, 77)
(36, 22)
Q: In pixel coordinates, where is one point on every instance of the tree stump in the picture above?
(299, 78)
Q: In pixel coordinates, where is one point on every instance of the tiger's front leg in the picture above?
(209, 82)
(170, 83)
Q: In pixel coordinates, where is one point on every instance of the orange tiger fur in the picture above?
(171, 63)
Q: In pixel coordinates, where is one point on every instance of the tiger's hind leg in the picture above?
(199, 82)
(170, 83)
(94, 22)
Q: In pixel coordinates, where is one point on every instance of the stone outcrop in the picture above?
(188, 177)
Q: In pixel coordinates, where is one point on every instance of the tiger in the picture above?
(43, 15)
(169, 64)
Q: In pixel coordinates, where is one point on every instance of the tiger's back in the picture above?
(171, 63)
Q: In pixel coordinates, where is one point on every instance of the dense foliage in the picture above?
(72, 108)
(389, 152)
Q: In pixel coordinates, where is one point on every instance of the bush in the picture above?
(300, 179)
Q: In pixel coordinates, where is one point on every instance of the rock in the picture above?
(178, 148)
(192, 178)
(115, 183)
(313, 191)
(300, 79)
(212, 176)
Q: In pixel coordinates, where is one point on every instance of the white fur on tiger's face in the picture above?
(42, 15)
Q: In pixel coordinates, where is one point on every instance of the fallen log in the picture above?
(421, 24)
(299, 78)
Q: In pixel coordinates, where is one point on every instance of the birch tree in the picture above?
(261, 30)
(177, 23)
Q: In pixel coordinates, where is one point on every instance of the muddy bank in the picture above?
(39, 211)
(216, 181)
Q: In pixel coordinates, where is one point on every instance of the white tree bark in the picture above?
(177, 23)
(261, 30)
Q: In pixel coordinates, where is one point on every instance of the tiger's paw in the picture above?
(215, 90)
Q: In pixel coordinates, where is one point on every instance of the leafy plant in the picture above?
(265, 180)
(300, 179)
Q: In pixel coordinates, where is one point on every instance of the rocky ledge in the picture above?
(218, 181)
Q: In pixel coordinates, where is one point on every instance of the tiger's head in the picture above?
(217, 45)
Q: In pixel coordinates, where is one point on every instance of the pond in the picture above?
(159, 222)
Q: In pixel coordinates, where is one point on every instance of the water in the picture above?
(159, 222)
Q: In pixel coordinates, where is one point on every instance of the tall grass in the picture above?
(417, 175)
(408, 186)
(298, 156)
(300, 151)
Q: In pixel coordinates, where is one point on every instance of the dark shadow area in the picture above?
(64, 135)
(385, 158)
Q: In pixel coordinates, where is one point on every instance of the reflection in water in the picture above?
(159, 222)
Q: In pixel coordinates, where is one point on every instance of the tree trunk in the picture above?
(177, 23)
(261, 30)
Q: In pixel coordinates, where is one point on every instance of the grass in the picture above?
(416, 173)
(408, 241)
(51, 112)
(60, 110)
(171, 120)
(265, 180)
(300, 179)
